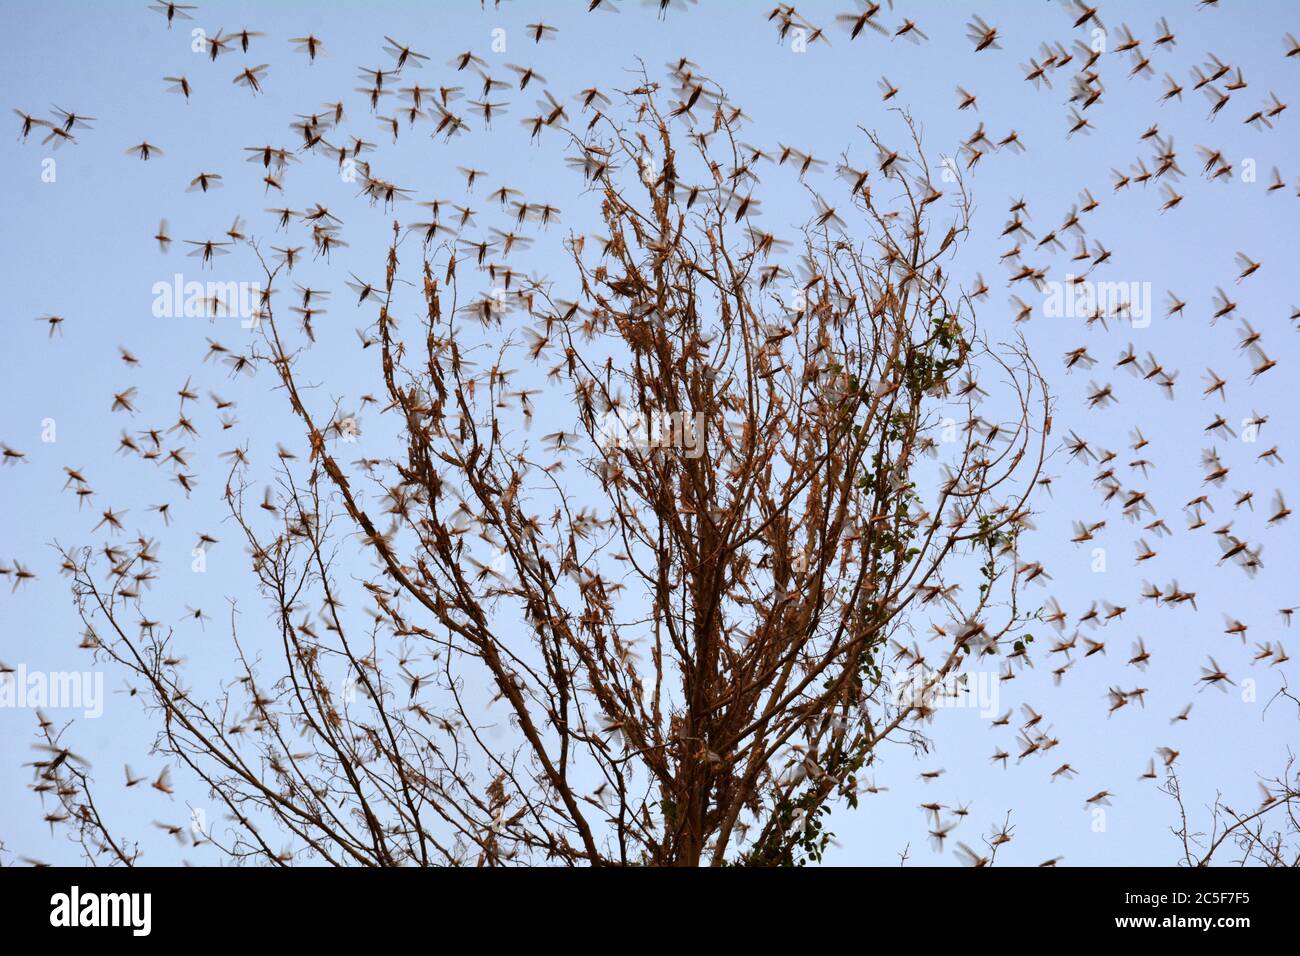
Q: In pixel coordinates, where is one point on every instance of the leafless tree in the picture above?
(666, 632)
(1267, 834)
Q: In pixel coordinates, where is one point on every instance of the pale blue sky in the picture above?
(81, 247)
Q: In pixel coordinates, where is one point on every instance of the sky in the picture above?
(78, 243)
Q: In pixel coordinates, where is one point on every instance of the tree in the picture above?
(1267, 834)
(671, 632)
